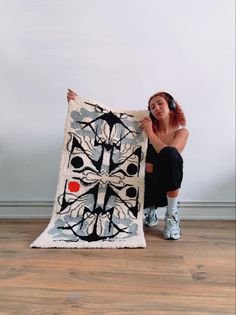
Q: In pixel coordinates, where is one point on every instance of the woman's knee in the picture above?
(170, 153)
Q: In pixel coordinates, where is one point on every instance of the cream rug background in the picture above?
(100, 191)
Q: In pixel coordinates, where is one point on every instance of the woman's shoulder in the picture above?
(181, 131)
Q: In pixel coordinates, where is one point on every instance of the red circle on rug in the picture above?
(73, 186)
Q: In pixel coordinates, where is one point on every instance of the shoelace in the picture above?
(173, 222)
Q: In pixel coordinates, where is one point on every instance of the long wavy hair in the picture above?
(177, 117)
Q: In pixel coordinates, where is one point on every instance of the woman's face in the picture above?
(159, 107)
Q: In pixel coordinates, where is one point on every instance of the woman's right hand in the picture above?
(71, 95)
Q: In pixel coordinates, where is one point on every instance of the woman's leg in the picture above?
(170, 176)
(150, 211)
(173, 193)
(172, 228)
(170, 170)
(172, 201)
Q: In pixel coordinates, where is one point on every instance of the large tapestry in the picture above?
(100, 192)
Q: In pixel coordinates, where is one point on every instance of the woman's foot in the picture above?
(172, 230)
(151, 218)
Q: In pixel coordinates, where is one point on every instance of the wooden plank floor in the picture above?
(194, 275)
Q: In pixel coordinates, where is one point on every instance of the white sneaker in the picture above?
(151, 218)
(146, 213)
(172, 230)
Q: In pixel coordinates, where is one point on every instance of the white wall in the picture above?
(118, 52)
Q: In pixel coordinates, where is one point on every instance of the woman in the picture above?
(164, 164)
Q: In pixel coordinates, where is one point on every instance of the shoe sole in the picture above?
(172, 238)
(150, 225)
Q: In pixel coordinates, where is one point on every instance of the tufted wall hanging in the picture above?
(100, 192)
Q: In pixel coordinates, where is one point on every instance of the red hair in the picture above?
(177, 117)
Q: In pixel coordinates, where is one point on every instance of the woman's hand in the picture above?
(146, 125)
(71, 95)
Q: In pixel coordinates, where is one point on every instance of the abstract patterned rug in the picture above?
(100, 192)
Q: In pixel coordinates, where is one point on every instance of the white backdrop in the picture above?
(118, 52)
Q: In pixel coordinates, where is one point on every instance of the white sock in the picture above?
(172, 205)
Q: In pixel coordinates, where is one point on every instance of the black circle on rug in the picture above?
(132, 169)
(77, 162)
(131, 192)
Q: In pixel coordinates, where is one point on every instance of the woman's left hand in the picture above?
(146, 125)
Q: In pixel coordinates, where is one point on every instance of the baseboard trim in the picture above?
(189, 210)
(26, 209)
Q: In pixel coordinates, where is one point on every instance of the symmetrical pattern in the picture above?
(99, 199)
